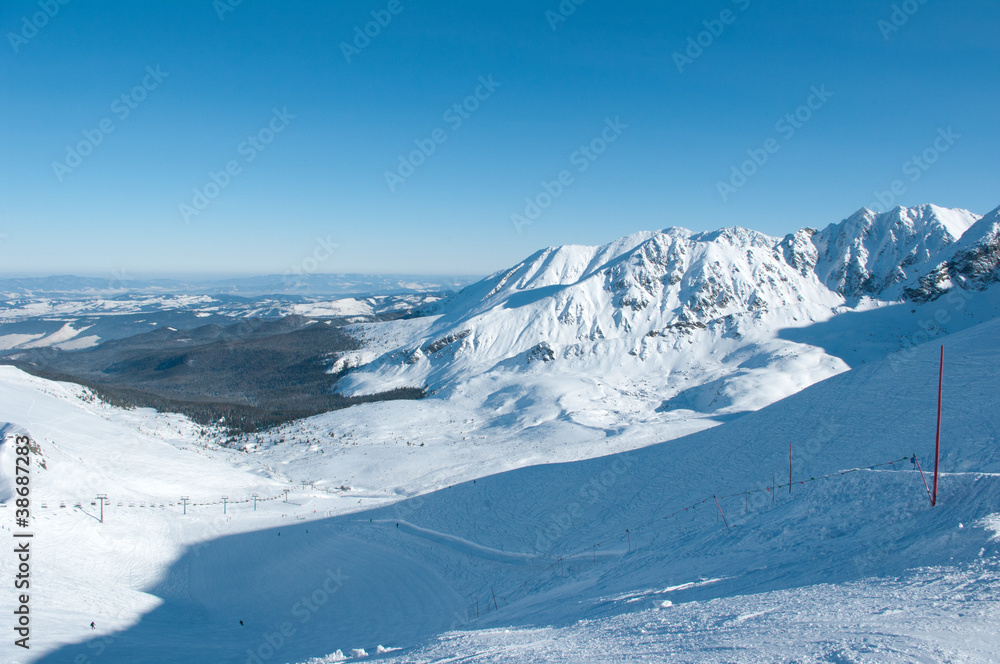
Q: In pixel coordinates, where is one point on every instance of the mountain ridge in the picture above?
(678, 309)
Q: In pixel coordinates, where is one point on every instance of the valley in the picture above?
(590, 459)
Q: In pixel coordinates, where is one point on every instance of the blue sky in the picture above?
(310, 129)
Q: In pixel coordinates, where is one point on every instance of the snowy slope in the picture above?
(924, 616)
(843, 568)
(855, 567)
(137, 459)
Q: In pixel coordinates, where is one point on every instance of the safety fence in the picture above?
(489, 601)
(545, 566)
(773, 490)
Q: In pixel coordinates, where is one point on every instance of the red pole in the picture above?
(789, 467)
(720, 511)
(937, 441)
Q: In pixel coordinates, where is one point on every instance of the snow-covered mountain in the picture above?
(687, 318)
(971, 263)
(871, 254)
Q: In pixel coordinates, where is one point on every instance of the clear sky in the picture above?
(115, 112)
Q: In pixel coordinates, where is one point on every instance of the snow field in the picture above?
(511, 551)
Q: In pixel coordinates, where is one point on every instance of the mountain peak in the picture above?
(671, 311)
(871, 253)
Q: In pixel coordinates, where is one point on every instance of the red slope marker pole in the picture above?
(937, 440)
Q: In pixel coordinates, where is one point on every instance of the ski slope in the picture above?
(922, 617)
(536, 563)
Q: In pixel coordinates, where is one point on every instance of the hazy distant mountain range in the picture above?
(289, 284)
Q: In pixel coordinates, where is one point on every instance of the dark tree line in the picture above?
(235, 417)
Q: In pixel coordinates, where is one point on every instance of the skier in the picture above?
(241, 623)
(92, 626)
